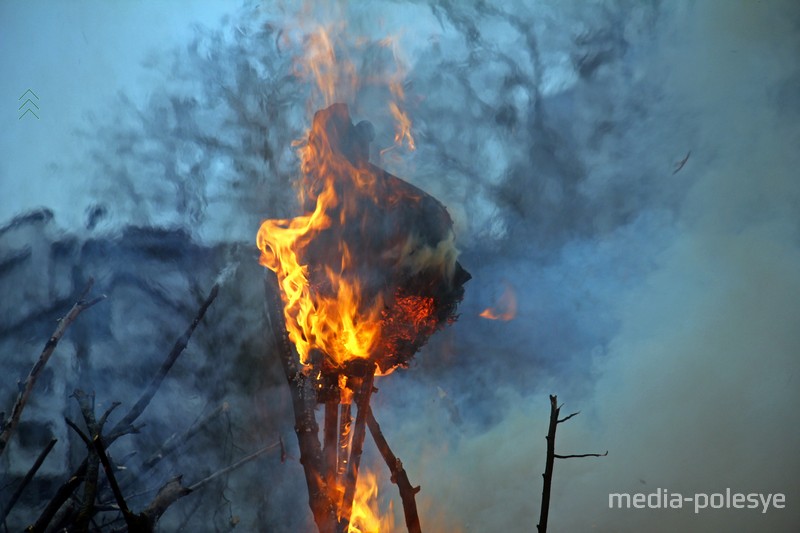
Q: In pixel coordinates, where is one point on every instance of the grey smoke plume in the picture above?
(661, 304)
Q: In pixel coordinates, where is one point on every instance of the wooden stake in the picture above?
(359, 432)
(304, 400)
(345, 426)
(331, 444)
(399, 476)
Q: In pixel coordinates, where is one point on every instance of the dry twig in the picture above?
(234, 466)
(125, 425)
(27, 479)
(81, 305)
(679, 165)
(175, 441)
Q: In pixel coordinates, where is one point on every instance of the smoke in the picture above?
(660, 304)
(691, 381)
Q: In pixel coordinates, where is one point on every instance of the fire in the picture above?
(403, 127)
(367, 273)
(345, 265)
(506, 307)
(366, 516)
(334, 77)
(342, 265)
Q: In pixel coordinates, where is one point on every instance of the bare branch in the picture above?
(560, 420)
(86, 403)
(175, 441)
(550, 460)
(171, 492)
(581, 455)
(81, 305)
(234, 466)
(679, 165)
(27, 479)
(58, 500)
(399, 475)
(180, 345)
(544, 512)
(79, 431)
(134, 522)
(125, 425)
(104, 417)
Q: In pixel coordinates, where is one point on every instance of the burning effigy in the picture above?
(366, 275)
(362, 278)
(370, 271)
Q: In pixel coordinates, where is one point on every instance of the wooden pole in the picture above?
(304, 400)
(345, 427)
(330, 450)
(399, 475)
(359, 432)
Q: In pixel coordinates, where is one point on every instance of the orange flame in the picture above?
(366, 516)
(403, 122)
(403, 127)
(506, 307)
(320, 257)
(333, 77)
(340, 325)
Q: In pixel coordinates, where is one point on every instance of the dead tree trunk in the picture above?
(555, 409)
(548, 466)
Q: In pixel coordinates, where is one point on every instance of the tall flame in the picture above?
(368, 270)
(331, 260)
(366, 516)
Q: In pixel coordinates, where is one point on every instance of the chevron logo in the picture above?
(28, 104)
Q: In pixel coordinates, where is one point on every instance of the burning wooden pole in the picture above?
(362, 398)
(345, 427)
(330, 450)
(303, 403)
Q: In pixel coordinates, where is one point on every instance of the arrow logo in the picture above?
(27, 104)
